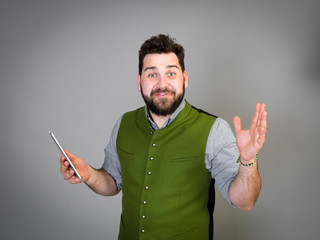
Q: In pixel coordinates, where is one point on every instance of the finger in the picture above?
(69, 154)
(62, 160)
(237, 124)
(68, 174)
(70, 171)
(260, 117)
(65, 169)
(72, 157)
(261, 112)
(255, 117)
(74, 180)
(263, 117)
(63, 165)
(263, 124)
(261, 120)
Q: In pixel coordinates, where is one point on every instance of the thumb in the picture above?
(69, 154)
(237, 124)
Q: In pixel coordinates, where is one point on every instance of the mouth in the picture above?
(162, 94)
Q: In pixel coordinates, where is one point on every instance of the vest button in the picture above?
(149, 173)
(143, 217)
(143, 231)
(147, 187)
(144, 202)
(151, 133)
(151, 158)
(153, 145)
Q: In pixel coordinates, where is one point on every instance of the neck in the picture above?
(158, 120)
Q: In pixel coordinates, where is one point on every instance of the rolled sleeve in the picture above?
(111, 161)
(221, 156)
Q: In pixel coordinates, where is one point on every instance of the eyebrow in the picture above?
(172, 66)
(147, 68)
(154, 67)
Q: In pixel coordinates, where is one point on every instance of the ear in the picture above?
(185, 79)
(139, 82)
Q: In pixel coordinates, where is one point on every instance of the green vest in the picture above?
(165, 183)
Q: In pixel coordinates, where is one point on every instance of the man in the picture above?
(165, 157)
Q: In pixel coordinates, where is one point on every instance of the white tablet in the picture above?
(64, 154)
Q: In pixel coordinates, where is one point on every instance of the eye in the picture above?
(152, 75)
(171, 74)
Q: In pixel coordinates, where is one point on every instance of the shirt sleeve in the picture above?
(111, 161)
(221, 156)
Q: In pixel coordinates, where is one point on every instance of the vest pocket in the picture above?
(126, 153)
(183, 159)
(127, 163)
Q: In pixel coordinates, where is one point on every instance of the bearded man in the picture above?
(167, 156)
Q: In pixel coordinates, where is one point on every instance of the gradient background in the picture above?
(70, 67)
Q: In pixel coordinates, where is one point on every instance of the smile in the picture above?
(162, 94)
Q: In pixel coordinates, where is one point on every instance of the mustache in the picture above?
(162, 90)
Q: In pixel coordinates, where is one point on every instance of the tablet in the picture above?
(64, 154)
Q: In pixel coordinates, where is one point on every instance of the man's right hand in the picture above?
(68, 173)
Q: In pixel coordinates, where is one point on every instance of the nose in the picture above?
(162, 83)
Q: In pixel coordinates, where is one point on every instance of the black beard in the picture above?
(162, 107)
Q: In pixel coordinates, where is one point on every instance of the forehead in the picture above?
(160, 60)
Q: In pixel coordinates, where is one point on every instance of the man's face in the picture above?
(162, 83)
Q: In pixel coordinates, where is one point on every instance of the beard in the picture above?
(163, 107)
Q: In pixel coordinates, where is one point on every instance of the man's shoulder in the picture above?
(136, 111)
(205, 113)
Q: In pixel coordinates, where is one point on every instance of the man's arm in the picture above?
(97, 179)
(245, 189)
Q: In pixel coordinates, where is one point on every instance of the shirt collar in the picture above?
(169, 120)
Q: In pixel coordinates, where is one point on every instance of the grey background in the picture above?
(70, 67)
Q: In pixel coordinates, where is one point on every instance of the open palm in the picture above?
(251, 140)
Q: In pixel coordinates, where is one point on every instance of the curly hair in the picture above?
(161, 44)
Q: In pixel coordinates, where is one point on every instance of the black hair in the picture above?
(161, 44)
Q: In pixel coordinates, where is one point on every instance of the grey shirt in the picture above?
(220, 156)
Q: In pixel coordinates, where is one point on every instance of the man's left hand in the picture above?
(251, 140)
